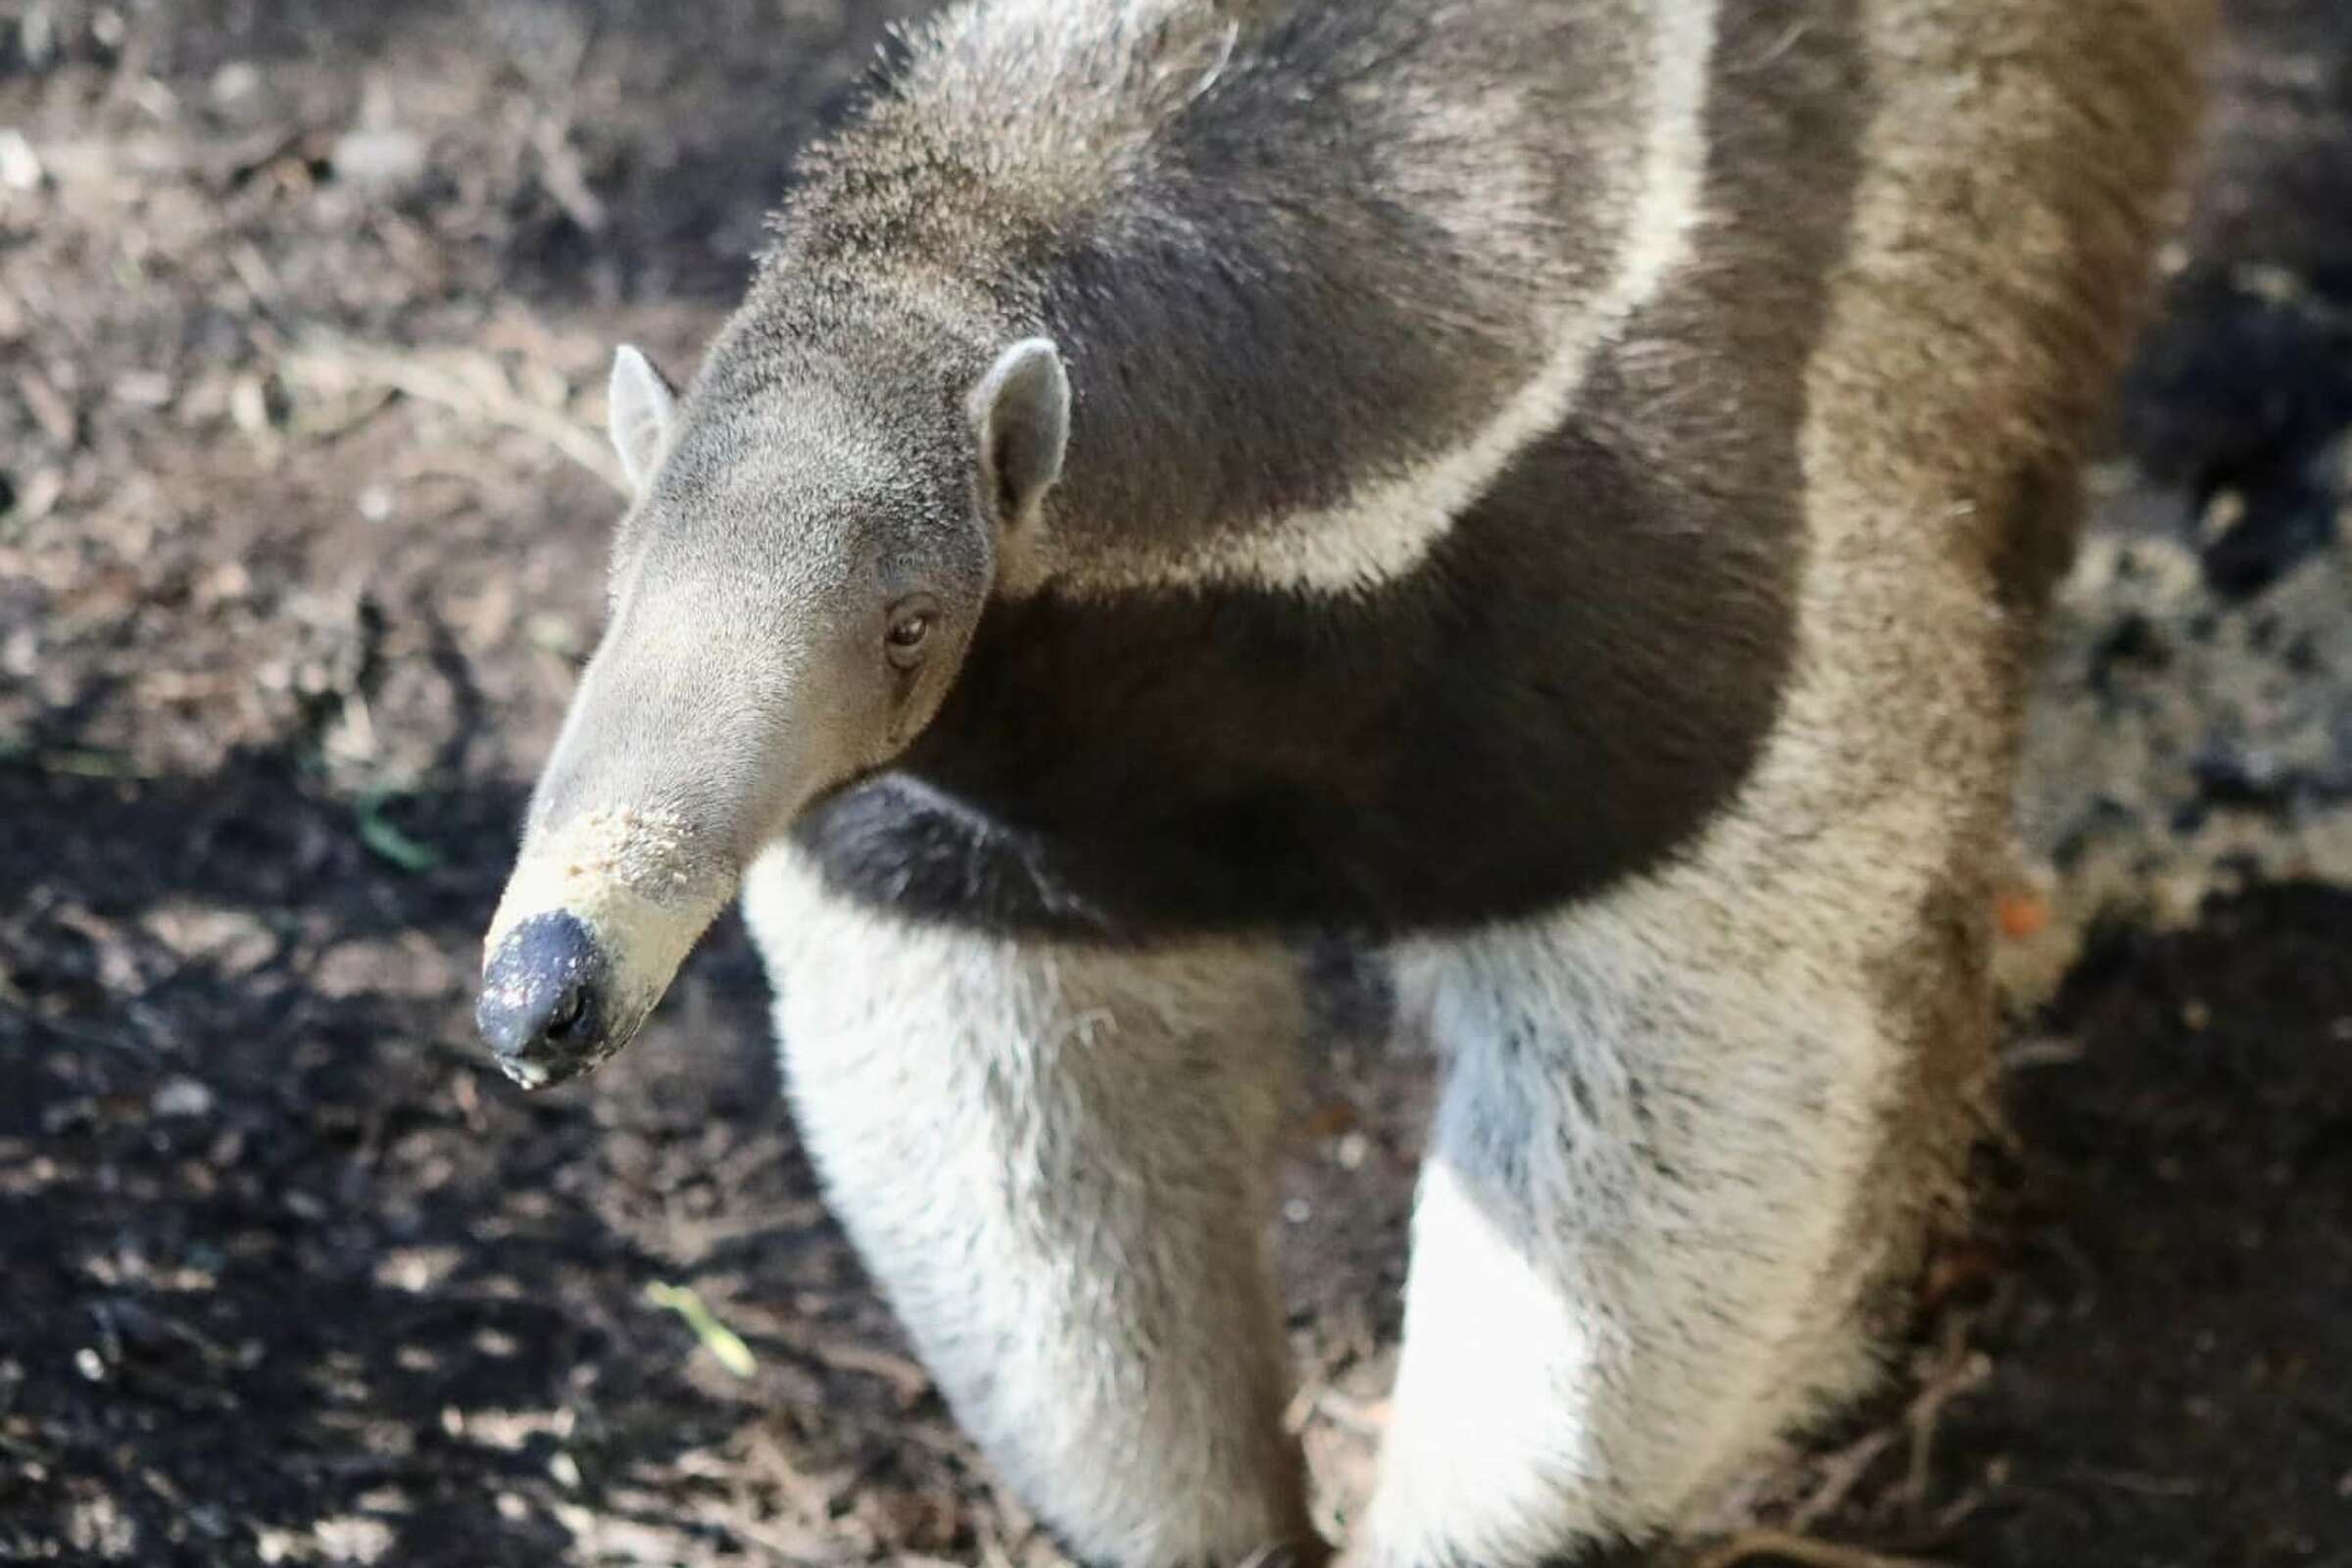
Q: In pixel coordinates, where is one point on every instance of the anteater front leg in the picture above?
(1681, 1140)
(1058, 1161)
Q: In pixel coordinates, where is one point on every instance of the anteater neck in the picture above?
(1301, 259)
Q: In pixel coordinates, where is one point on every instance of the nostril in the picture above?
(566, 1015)
(543, 992)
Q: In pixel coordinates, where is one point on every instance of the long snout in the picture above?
(599, 913)
(693, 739)
(639, 829)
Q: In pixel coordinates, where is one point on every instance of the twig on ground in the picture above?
(1841, 1473)
(908, 1381)
(463, 381)
(907, 1378)
(1963, 1369)
(559, 172)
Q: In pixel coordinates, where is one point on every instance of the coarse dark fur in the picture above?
(1579, 673)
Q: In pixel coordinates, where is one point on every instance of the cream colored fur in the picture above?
(1058, 1162)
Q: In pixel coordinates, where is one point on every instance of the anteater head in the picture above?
(791, 592)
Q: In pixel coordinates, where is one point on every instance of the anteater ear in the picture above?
(1021, 414)
(640, 408)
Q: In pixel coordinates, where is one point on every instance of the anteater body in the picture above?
(1559, 495)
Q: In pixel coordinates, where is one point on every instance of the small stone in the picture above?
(554, 633)
(98, 1526)
(40, 494)
(181, 1098)
(379, 158)
(90, 1364)
(1298, 1210)
(144, 389)
(249, 405)
(20, 166)
(235, 82)
(353, 1538)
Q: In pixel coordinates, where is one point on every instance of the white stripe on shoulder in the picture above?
(1385, 529)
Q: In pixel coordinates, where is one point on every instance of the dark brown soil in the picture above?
(2170, 1376)
(303, 315)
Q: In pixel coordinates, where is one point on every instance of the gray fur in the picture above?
(1562, 491)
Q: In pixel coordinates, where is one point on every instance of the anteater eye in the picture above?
(909, 629)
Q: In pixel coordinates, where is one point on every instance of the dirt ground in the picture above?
(304, 313)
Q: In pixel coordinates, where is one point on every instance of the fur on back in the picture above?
(1290, 251)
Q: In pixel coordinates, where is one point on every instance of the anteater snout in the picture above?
(544, 1005)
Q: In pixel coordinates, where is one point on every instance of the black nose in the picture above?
(542, 995)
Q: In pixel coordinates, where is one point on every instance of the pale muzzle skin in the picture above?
(595, 921)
